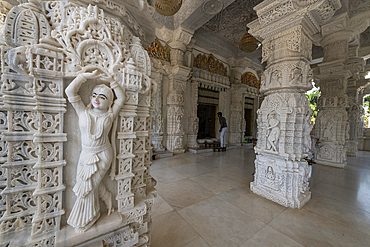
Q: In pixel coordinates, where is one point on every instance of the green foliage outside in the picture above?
(367, 103)
(367, 106)
(312, 100)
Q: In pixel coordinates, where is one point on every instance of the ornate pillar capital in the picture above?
(178, 40)
(276, 16)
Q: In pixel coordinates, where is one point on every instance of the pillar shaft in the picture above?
(193, 118)
(175, 115)
(281, 173)
(157, 136)
(175, 100)
(236, 117)
(284, 121)
(332, 124)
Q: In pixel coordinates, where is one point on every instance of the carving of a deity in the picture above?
(328, 131)
(273, 131)
(97, 154)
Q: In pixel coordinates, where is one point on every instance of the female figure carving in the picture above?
(95, 122)
(328, 131)
(273, 136)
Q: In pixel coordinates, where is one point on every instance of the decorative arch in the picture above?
(209, 63)
(250, 79)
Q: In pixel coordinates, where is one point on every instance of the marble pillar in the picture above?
(355, 113)
(193, 118)
(175, 99)
(157, 137)
(332, 124)
(281, 173)
(236, 121)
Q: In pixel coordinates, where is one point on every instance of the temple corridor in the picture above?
(205, 200)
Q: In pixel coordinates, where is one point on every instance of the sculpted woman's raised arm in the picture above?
(74, 86)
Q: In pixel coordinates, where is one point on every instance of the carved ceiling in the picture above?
(365, 38)
(230, 23)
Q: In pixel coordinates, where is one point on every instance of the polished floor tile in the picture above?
(183, 193)
(217, 182)
(166, 175)
(346, 214)
(191, 170)
(268, 236)
(257, 206)
(198, 242)
(359, 199)
(310, 229)
(160, 206)
(170, 230)
(174, 161)
(204, 200)
(220, 223)
(156, 165)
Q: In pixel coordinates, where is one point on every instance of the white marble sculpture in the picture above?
(333, 122)
(95, 122)
(37, 160)
(281, 173)
(273, 132)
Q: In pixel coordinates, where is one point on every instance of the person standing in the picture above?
(223, 129)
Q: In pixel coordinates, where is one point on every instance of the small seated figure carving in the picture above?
(95, 122)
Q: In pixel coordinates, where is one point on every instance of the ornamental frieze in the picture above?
(209, 63)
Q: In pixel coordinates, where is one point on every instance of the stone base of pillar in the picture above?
(360, 145)
(329, 163)
(157, 142)
(178, 151)
(352, 148)
(192, 141)
(331, 154)
(281, 181)
(175, 144)
(235, 138)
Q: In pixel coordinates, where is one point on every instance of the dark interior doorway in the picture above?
(248, 121)
(207, 120)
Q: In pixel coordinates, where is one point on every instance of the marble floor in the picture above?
(204, 200)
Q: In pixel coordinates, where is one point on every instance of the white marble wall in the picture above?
(42, 139)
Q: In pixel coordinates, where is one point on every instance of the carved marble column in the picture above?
(3, 144)
(193, 119)
(355, 113)
(175, 99)
(281, 173)
(157, 136)
(236, 115)
(175, 109)
(332, 124)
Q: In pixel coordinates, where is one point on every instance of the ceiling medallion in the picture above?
(212, 7)
(167, 7)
